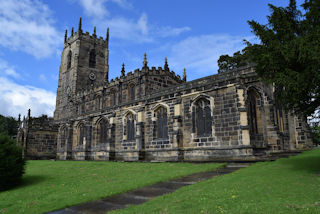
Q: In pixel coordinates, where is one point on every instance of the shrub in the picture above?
(11, 162)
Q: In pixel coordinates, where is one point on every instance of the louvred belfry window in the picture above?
(92, 59)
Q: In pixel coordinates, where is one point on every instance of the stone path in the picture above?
(144, 194)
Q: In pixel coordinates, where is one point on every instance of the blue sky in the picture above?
(192, 34)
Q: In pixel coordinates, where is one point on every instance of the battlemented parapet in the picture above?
(38, 136)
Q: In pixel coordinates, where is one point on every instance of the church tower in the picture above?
(84, 65)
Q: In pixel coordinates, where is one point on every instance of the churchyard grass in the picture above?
(51, 185)
(289, 185)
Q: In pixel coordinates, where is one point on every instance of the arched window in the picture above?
(132, 93)
(63, 137)
(69, 58)
(80, 134)
(161, 124)
(102, 131)
(203, 118)
(252, 111)
(92, 59)
(113, 97)
(130, 127)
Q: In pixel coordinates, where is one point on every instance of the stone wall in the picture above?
(38, 137)
(231, 136)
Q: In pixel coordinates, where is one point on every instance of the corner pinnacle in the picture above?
(145, 62)
(80, 26)
(184, 75)
(65, 36)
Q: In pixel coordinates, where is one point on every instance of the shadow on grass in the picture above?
(30, 180)
(311, 164)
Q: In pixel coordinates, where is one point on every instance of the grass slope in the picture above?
(49, 185)
(289, 185)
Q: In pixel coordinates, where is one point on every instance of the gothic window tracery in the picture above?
(102, 131)
(92, 59)
(81, 135)
(130, 127)
(161, 123)
(203, 118)
(63, 137)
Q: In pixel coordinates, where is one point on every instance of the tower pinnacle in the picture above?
(145, 62)
(107, 58)
(107, 38)
(166, 67)
(72, 31)
(123, 70)
(94, 31)
(184, 75)
(65, 36)
(80, 26)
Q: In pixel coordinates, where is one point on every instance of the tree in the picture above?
(226, 62)
(8, 125)
(11, 162)
(288, 55)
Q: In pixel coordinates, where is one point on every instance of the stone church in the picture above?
(152, 114)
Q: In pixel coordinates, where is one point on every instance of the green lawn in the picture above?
(49, 185)
(289, 185)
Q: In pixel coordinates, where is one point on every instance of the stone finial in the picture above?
(80, 26)
(123, 70)
(65, 36)
(29, 113)
(166, 66)
(184, 75)
(145, 62)
(72, 31)
(107, 38)
(94, 31)
(19, 118)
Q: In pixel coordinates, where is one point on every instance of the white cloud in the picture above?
(127, 29)
(142, 24)
(16, 99)
(137, 31)
(8, 70)
(94, 8)
(27, 26)
(134, 30)
(199, 54)
(98, 9)
(170, 31)
(123, 3)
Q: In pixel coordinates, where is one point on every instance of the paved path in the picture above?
(144, 194)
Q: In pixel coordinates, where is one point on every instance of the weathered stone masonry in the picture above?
(153, 114)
